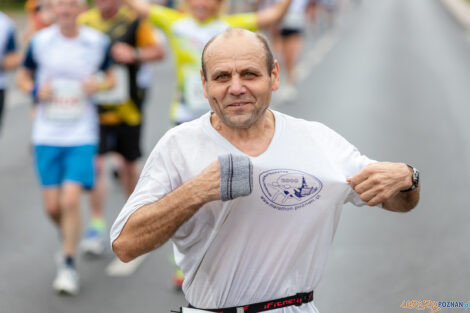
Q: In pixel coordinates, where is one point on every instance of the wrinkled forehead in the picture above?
(239, 48)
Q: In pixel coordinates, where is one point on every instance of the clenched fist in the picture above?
(380, 181)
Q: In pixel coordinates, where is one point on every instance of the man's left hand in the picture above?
(123, 53)
(380, 181)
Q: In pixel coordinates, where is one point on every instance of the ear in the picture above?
(203, 84)
(275, 76)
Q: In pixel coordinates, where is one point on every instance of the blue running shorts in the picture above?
(56, 165)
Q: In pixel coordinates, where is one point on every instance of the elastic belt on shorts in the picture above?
(296, 300)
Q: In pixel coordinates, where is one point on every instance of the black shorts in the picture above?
(287, 32)
(121, 138)
(2, 102)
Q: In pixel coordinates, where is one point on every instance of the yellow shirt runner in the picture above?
(187, 37)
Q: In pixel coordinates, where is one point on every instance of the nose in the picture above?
(236, 86)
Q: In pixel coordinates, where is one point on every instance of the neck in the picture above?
(253, 140)
(69, 31)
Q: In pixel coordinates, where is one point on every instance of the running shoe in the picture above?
(66, 281)
(95, 239)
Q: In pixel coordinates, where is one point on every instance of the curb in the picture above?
(460, 10)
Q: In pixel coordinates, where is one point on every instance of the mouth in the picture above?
(238, 104)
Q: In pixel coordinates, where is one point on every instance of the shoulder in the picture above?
(242, 20)
(314, 130)
(5, 21)
(183, 133)
(90, 16)
(93, 35)
(301, 124)
(45, 36)
(159, 13)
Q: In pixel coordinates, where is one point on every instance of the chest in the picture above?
(71, 59)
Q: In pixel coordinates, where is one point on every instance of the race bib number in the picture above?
(193, 92)
(68, 100)
(120, 93)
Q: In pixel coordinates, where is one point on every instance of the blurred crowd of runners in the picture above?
(87, 68)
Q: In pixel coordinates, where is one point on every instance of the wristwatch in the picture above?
(414, 179)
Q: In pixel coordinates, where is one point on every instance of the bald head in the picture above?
(253, 39)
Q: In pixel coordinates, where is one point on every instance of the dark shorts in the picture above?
(287, 32)
(2, 101)
(122, 138)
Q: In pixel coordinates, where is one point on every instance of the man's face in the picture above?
(66, 11)
(204, 9)
(238, 84)
(106, 7)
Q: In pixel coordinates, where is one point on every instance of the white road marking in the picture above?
(118, 268)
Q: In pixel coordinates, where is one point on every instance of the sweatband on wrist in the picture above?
(236, 176)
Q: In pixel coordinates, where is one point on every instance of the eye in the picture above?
(249, 75)
(221, 77)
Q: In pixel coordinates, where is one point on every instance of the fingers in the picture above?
(359, 178)
(378, 182)
(45, 92)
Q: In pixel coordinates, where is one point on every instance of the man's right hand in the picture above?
(45, 92)
(208, 183)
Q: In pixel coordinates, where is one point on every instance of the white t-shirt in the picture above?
(71, 119)
(271, 244)
(7, 43)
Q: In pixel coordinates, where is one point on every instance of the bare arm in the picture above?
(382, 182)
(142, 8)
(273, 14)
(11, 60)
(153, 224)
(150, 53)
(92, 85)
(24, 80)
(126, 54)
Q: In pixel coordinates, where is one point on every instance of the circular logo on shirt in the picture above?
(285, 189)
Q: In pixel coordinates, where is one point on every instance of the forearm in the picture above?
(24, 80)
(11, 61)
(153, 224)
(109, 80)
(273, 14)
(142, 8)
(150, 53)
(402, 201)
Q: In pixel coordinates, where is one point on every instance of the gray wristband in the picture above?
(236, 176)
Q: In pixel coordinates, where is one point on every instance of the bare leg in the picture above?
(292, 46)
(52, 204)
(71, 218)
(98, 193)
(130, 176)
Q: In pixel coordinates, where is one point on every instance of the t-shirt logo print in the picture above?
(285, 189)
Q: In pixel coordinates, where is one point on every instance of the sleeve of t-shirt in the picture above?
(158, 178)
(164, 17)
(347, 158)
(29, 60)
(11, 43)
(244, 20)
(107, 60)
(145, 35)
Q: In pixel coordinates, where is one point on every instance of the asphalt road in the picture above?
(393, 79)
